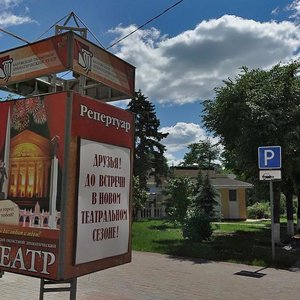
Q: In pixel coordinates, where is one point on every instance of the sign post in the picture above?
(272, 219)
(269, 163)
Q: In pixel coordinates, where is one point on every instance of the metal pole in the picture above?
(14, 35)
(73, 291)
(272, 219)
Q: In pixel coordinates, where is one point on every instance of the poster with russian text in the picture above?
(103, 220)
(97, 63)
(31, 163)
(37, 59)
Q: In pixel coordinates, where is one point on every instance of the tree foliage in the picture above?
(197, 222)
(259, 108)
(140, 197)
(205, 196)
(197, 226)
(179, 193)
(203, 154)
(149, 152)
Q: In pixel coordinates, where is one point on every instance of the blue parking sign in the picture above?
(269, 157)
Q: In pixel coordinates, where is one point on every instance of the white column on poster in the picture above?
(6, 154)
(53, 183)
(53, 193)
(103, 218)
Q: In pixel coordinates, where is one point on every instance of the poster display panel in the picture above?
(102, 66)
(103, 204)
(31, 163)
(103, 201)
(34, 60)
(65, 160)
(35, 68)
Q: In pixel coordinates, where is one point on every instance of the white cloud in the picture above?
(7, 15)
(120, 103)
(7, 19)
(172, 160)
(180, 136)
(187, 67)
(275, 11)
(294, 7)
(5, 4)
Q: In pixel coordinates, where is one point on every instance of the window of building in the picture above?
(232, 195)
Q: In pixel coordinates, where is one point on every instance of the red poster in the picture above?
(107, 77)
(39, 195)
(102, 66)
(31, 164)
(34, 60)
(99, 121)
(103, 204)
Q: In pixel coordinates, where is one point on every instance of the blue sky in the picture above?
(181, 56)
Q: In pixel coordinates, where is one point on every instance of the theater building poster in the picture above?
(31, 165)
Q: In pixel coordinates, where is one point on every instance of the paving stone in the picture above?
(161, 277)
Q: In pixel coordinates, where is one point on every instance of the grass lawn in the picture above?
(240, 242)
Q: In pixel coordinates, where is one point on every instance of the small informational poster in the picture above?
(103, 220)
(9, 212)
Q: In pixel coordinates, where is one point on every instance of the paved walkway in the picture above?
(160, 277)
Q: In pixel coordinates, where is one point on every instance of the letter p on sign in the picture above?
(269, 157)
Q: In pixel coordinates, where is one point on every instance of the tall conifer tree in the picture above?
(149, 152)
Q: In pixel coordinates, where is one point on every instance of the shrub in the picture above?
(197, 226)
(179, 192)
(259, 210)
(140, 197)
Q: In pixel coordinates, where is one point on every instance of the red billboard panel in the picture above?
(103, 221)
(105, 76)
(41, 58)
(65, 185)
(102, 66)
(31, 164)
(100, 121)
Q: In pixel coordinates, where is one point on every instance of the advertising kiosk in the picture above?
(65, 159)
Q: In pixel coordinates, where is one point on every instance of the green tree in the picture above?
(197, 226)
(258, 108)
(197, 222)
(149, 152)
(199, 182)
(203, 154)
(179, 193)
(140, 197)
(205, 197)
